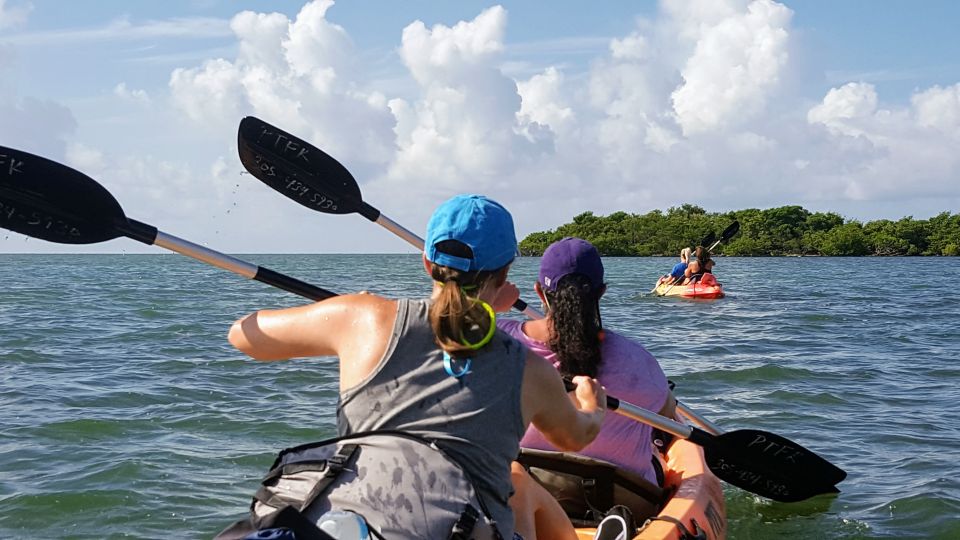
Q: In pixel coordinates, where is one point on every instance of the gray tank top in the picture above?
(476, 419)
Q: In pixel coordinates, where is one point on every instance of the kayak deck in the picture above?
(697, 502)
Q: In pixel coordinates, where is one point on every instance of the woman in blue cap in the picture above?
(438, 367)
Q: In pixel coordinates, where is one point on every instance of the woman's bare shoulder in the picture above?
(371, 305)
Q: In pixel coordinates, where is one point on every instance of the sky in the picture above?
(551, 107)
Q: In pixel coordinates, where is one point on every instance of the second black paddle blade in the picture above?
(770, 465)
(297, 169)
(730, 231)
(708, 239)
(44, 199)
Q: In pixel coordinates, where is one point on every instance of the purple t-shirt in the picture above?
(627, 371)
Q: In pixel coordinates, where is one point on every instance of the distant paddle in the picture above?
(708, 239)
(726, 235)
(757, 461)
(47, 200)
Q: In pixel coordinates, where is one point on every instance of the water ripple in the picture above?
(127, 401)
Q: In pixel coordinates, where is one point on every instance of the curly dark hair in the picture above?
(575, 333)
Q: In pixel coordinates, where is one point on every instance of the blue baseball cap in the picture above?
(567, 256)
(482, 224)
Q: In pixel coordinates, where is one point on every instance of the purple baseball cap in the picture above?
(570, 256)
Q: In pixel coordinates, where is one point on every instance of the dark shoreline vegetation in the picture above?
(782, 231)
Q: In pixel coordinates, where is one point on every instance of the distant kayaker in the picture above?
(572, 337)
(696, 269)
(677, 273)
(438, 367)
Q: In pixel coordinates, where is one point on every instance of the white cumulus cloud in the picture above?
(844, 108)
(939, 108)
(687, 105)
(294, 74)
(462, 132)
(737, 60)
(905, 151)
(543, 101)
(632, 47)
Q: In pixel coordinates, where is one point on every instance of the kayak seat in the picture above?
(587, 488)
(708, 280)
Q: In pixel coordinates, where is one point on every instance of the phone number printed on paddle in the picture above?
(283, 180)
(750, 479)
(28, 222)
(290, 186)
(23, 217)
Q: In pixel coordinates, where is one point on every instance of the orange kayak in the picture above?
(697, 504)
(708, 288)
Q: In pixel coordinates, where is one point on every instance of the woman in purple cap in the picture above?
(438, 367)
(572, 337)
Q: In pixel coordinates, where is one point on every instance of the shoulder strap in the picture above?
(335, 466)
(464, 526)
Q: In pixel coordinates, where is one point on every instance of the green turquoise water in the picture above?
(124, 411)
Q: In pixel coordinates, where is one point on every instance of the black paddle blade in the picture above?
(50, 201)
(731, 230)
(708, 239)
(297, 169)
(769, 465)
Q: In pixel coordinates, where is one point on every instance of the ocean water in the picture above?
(125, 412)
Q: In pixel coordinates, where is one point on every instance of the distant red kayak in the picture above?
(707, 288)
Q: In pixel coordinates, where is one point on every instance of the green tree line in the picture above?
(787, 230)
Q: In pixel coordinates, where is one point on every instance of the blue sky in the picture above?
(897, 45)
(552, 107)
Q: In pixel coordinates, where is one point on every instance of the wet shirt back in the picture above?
(476, 419)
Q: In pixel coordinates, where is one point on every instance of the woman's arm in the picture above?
(569, 422)
(322, 329)
(669, 408)
(356, 328)
(506, 296)
(279, 334)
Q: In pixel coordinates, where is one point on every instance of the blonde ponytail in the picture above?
(461, 322)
